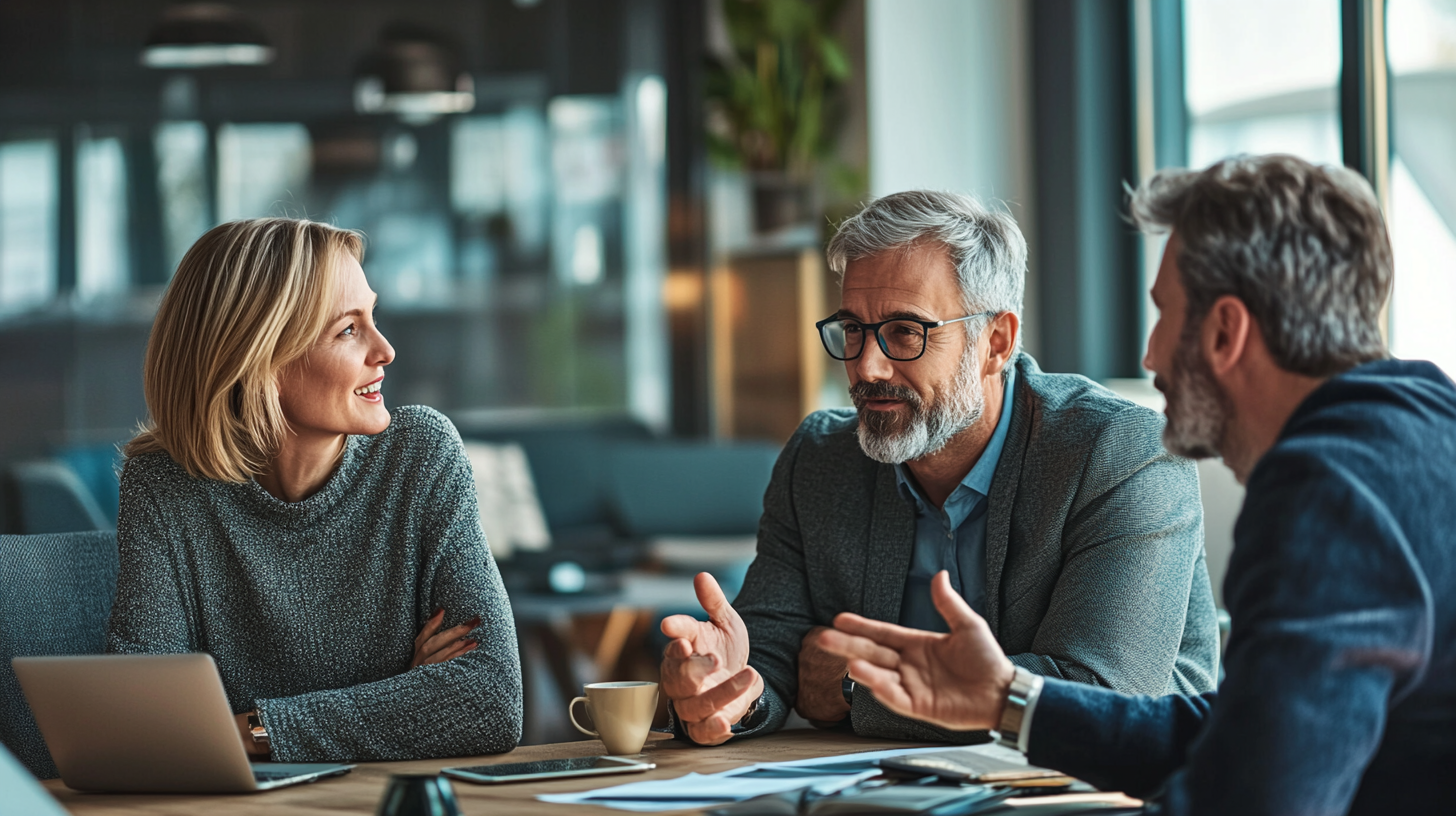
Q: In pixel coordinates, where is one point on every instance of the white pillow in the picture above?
(510, 512)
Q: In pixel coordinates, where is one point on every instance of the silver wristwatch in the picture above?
(1025, 688)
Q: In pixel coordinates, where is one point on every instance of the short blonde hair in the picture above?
(248, 298)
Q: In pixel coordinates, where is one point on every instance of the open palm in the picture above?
(711, 650)
(956, 680)
(705, 670)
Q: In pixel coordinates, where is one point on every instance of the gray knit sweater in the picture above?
(311, 608)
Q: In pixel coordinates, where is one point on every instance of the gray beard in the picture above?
(891, 440)
(1197, 407)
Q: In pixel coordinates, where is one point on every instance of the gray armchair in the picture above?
(689, 488)
(48, 497)
(55, 598)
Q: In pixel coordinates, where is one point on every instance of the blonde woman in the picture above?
(276, 515)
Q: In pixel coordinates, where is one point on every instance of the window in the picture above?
(1421, 42)
(102, 248)
(181, 149)
(1262, 77)
(28, 212)
(262, 169)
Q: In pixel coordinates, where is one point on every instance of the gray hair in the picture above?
(1304, 247)
(985, 245)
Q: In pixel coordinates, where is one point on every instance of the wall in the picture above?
(949, 105)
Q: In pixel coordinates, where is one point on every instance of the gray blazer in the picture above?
(1094, 551)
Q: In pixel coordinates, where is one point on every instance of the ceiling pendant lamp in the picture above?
(205, 35)
(414, 74)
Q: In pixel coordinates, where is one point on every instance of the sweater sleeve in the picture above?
(466, 706)
(149, 615)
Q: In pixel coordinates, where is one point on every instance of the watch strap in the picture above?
(1020, 699)
(755, 716)
(258, 729)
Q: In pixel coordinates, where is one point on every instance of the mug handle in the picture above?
(571, 712)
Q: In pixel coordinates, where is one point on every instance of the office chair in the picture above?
(48, 497)
(56, 592)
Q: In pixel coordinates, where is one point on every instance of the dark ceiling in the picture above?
(78, 59)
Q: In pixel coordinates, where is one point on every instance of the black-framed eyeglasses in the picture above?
(901, 339)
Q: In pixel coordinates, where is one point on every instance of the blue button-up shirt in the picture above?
(953, 537)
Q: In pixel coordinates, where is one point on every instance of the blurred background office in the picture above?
(596, 225)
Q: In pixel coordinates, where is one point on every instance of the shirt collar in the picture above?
(977, 484)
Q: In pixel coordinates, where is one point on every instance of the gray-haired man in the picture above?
(1050, 501)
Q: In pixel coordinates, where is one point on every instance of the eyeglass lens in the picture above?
(900, 339)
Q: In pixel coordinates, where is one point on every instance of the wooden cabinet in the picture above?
(768, 365)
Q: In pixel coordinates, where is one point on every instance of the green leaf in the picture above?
(836, 62)
(777, 106)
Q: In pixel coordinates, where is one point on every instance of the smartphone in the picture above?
(548, 769)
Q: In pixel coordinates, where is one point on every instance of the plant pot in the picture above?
(781, 203)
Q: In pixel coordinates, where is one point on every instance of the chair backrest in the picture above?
(690, 489)
(567, 460)
(48, 497)
(55, 598)
(99, 468)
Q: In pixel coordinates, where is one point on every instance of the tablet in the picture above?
(548, 769)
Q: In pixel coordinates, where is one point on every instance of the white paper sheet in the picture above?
(824, 774)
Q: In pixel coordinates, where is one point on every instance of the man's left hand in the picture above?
(821, 680)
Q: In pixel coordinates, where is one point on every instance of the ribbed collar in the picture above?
(302, 513)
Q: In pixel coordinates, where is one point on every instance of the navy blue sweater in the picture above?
(1341, 667)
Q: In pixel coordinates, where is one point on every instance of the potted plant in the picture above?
(774, 102)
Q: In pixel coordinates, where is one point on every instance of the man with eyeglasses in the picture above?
(1049, 501)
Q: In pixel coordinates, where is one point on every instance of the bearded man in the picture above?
(1340, 695)
(1050, 501)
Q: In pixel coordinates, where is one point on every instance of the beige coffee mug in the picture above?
(622, 713)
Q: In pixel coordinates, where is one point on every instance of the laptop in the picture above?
(147, 723)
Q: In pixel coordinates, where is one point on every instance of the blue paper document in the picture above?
(824, 775)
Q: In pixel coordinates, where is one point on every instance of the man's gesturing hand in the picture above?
(705, 667)
(957, 680)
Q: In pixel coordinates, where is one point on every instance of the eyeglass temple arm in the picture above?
(961, 319)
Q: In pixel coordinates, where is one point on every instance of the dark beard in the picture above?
(1197, 409)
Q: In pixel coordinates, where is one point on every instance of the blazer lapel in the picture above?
(1004, 486)
(892, 537)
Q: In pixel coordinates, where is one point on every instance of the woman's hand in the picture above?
(434, 646)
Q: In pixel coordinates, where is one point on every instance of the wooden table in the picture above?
(359, 791)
